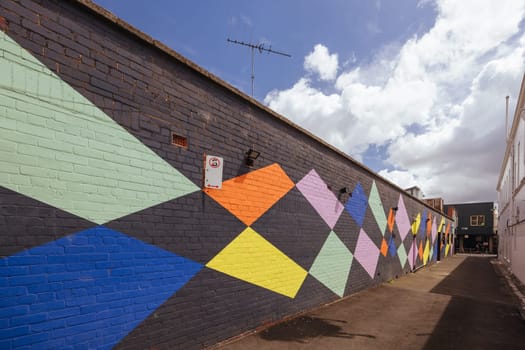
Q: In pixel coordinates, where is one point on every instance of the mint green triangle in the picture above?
(59, 148)
(374, 201)
(332, 265)
(402, 254)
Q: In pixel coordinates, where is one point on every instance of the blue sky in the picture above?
(413, 89)
(198, 30)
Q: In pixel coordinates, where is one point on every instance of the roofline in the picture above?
(512, 134)
(109, 16)
(454, 204)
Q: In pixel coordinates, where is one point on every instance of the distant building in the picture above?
(415, 192)
(453, 240)
(436, 203)
(511, 193)
(474, 227)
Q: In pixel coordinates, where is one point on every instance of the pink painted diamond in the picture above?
(367, 253)
(316, 192)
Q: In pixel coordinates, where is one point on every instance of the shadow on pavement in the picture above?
(304, 327)
(482, 313)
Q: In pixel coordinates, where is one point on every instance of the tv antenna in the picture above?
(261, 49)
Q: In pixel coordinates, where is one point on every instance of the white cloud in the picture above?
(403, 179)
(451, 83)
(321, 62)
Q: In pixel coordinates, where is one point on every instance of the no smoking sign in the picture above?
(213, 172)
(215, 162)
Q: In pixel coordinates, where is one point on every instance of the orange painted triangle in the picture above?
(250, 195)
(420, 250)
(391, 220)
(384, 248)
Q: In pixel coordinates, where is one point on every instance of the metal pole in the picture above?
(253, 74)
(261, 49)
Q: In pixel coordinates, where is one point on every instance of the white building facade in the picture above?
(511, 194)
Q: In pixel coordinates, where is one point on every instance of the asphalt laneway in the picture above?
(462, 302)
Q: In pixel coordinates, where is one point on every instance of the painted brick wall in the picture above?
(106, 237)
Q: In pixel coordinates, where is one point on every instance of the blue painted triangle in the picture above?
(356, 204)
(87, 290)
(392, 249)
(423, 225)
(434, 254)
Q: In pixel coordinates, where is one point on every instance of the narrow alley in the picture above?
(463, 302)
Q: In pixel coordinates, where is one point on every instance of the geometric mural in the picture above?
(392, 248)
(332, 265)
(356, 204)
(367, 253)
(316, 192)
(402, 255)
(253, 259)
(434, 230)
(402, 221)
(17, 233)
(423, 224)
(441, 224)
(66, 164)
(412, 255)
(298, 233)
(426, 252)
(391, 220)
(94, 286)
(376, 206)
(265, 187)
(429, 224)
(384, 247)
(60, 149)
(416, 223)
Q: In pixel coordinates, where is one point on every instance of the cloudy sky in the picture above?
(413, 89)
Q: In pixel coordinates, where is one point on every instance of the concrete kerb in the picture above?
(514, 284)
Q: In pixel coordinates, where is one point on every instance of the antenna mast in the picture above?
(261, 49)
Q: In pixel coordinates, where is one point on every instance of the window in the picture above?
(477, 220)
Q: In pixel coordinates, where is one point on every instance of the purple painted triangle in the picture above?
(316, 192)
(367, 253)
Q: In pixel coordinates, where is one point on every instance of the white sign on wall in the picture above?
(213, 172)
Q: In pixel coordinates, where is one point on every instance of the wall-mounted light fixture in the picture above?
(251, 156)
(345, 190)
(395, 208)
